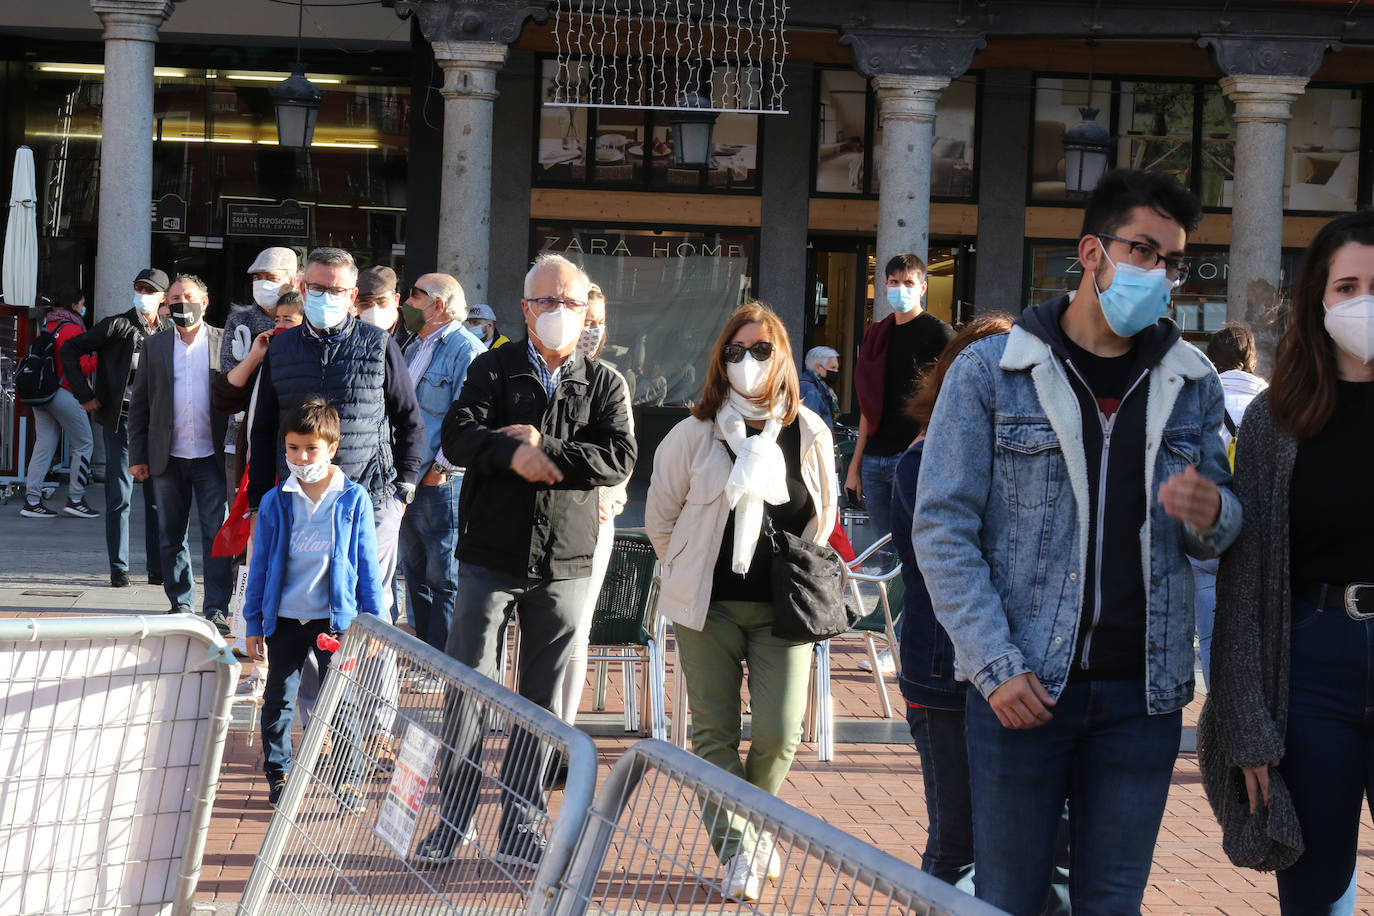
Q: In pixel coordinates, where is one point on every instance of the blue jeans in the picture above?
(1113, 763)
(1205, 607)
(429, 536)
(184, 478)
(877, 474)
(287, 649)
(119, 488)
(939, 738)
(1328, 764)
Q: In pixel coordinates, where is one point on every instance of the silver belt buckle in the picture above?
(1352, 601)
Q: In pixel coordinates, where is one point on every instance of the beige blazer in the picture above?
(685, 514)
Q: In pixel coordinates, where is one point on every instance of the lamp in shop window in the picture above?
(1087, 145)
(691, 124)
(296, 99)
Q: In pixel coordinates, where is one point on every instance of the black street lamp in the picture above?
(1087, 145)
(297, 100)
(692, 123)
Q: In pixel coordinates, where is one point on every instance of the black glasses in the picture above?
(320, 288)
(549, 303)
(421, 290)
(1147, 257)
(761, 351)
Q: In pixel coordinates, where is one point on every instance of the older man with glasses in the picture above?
(539, 428)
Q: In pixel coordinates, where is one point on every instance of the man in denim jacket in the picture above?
(1072, 463)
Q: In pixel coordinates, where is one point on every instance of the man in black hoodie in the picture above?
(1072, 463)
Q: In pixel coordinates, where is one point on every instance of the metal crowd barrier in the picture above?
(647, 847)
(473, 762)
(112, 730)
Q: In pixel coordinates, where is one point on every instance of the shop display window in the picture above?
(1323, 164)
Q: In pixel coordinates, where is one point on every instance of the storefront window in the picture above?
(1155, 125)
(633, 147)
(1056, 109)
(667, 294)
(1323, 166)
(846, 118)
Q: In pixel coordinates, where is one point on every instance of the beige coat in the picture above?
(686, 512)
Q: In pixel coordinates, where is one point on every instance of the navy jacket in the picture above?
(358, 369)
(927, 677)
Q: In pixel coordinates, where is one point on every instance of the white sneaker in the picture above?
(742, 881)
(766, 856)
(885, 663)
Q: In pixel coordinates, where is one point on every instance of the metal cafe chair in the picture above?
(626, 629)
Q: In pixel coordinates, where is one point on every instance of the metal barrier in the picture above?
(473, 760)
(651, 845)
(112, 730)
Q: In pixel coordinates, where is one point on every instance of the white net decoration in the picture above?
(710, 55)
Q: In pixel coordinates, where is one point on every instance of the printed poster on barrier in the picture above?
(401, 806)
(238, 630)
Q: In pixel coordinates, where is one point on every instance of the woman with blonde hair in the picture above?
(749, 452)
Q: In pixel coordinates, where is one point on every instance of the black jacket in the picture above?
(508, 524)
(1111, 634)
(112, 340)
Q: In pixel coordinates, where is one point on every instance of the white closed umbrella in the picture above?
(19, 281)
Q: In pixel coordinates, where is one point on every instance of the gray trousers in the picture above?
(388, 519)
(60, 415)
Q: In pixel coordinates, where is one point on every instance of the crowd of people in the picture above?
(1085, 505)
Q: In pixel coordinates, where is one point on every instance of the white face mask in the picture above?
(310, 473)
(1351, 326)
(380, 317)
(748, 376)
(267, 292)
(590, 341)
(146, 303)
(558, 329)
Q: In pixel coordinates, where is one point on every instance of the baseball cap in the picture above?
(275, 258)
(376, 281)
(154, 278)
(481, 310)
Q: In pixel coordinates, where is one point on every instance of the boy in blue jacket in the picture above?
(314, 569)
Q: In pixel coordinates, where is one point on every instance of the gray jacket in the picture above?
(153, 406)
(1245, 719)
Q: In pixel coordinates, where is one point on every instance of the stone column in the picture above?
(124, 234)
(465, 190)
(1261, 76)
(910, 68)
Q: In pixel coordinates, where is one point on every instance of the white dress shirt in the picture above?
(191, 396)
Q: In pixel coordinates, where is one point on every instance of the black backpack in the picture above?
(37, 377)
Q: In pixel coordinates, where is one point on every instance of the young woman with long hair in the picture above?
(748, 451)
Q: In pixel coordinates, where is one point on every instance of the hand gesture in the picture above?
(524, 432)
(1191, 498)
(1022, 702)
(536, 467)
(260, 344)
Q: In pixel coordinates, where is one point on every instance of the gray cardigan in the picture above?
(1245, 718)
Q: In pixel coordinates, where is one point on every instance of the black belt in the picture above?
(1356, 599)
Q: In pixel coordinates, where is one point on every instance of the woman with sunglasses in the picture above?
(749, 450)
(1286, 741)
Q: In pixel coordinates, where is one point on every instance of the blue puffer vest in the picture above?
(349, 369)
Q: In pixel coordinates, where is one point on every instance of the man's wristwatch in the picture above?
(442, 470)
(405, 492)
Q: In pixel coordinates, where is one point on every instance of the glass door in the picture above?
(840, 305)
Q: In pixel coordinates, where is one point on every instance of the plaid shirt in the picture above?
(541, 369)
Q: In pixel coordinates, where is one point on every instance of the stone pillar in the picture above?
(124, 234)
(465, 177)
(1004, 155)
(1261, 76)
(910, 68)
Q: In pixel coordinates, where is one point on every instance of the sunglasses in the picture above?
(761, 351)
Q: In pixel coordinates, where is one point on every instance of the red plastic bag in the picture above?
(840, 541)
(236, 531)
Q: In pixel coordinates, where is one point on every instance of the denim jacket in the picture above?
(1003, 513)
(443, 378)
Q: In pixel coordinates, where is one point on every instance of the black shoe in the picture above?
(37, 510)
(119, 578)
(524, 849)
(78, 509)
(154, 578)
(438, 847)
(276, 785)
(216, 616)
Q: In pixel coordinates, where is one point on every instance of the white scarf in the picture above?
(759, 475)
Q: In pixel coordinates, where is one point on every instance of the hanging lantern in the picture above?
(692, 123)
(1087, 150)
(298, 106)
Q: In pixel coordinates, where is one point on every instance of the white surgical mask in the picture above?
(267, 292)
(146, 303)
(310, 473)
(1351, 326)
(382, 318)
(559, 328)
(590, 341)
(748, 376)
(325, 311)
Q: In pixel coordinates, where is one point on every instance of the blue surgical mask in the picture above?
(1135, 299)
(325, 311)
(903, 298)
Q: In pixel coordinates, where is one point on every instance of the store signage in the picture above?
(288, 219)
(1215, 268)
(641, 246)
(169, 214)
